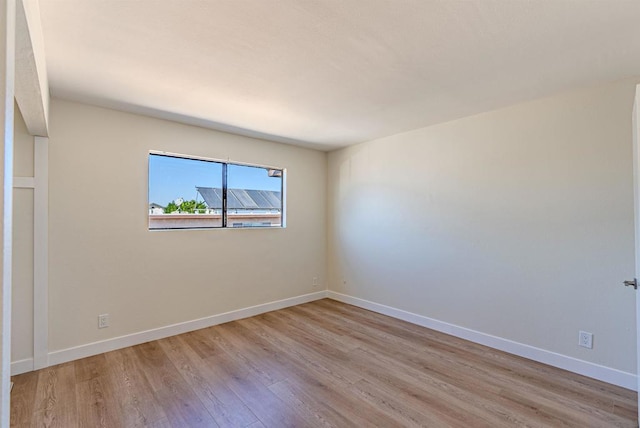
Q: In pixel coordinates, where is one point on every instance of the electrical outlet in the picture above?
(315, 281)
(585, 339)
(103, 321)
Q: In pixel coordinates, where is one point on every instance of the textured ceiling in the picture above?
(329, 73)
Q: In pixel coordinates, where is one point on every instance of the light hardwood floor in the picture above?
(320, 364)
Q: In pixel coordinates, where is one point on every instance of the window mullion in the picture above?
(224, 195)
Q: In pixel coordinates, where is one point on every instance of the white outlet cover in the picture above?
(585, 339)
(103, 321)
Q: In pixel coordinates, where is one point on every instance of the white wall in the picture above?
(102, 258)
(517, 223)
(22, 271)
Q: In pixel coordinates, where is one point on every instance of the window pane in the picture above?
(254, 196)
(184, 193)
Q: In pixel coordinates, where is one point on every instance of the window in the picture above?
(188, 193)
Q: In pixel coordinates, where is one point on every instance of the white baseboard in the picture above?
(96, 348)
(585, 368)
(21, 366)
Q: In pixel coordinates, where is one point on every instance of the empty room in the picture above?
(319, 213)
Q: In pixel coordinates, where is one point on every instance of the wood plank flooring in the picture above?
(322, 364)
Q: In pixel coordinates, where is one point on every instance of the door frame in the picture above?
(636, 193)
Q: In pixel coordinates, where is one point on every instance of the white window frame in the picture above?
(225, 163)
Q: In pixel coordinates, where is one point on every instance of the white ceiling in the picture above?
(329, 73)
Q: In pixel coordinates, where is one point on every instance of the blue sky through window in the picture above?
(172, 177)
